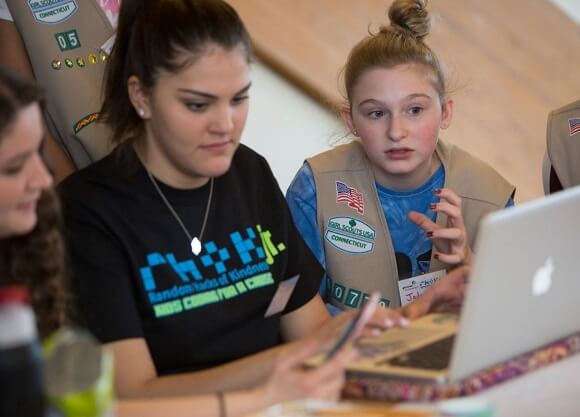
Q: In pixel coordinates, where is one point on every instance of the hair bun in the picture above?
(411, 16)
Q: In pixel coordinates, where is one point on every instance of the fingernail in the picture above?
(405, 322)
(437, 191)
(375, 332)
(432, 206)
(389, 323)
(436, 256)
(429, 234)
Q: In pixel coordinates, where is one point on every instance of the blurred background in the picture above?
(509, 61)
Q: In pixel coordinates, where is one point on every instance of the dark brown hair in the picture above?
(402, 42)
(156, 35)
(35, 260)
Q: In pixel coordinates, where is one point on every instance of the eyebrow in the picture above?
(23, 156)
(18, 159)
(409, 97)
(211, 96)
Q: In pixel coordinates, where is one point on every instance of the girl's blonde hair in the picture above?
(401, 42)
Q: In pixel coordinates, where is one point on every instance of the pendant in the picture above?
(196, 246)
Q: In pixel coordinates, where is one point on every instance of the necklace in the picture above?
(195, 242)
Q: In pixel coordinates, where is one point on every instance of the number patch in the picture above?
(68, 40)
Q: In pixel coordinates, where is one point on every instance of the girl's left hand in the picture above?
(450, 242)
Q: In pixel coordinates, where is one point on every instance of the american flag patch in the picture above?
(574, 125)
(344, 193)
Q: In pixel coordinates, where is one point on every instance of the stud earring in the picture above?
(354, 132)
(141, 113)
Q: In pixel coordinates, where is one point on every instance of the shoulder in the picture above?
(559, 122)
(251, 171)
(350, 156)
(246, 156)
(473, 178)
(571, 108)
(249, 166)
(460, 159)
(302, 186)
(107, 173)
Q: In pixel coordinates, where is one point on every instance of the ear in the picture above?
(446, 114)
(139, 97)
(346, 116)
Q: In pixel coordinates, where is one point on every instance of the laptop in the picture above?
(523, 293)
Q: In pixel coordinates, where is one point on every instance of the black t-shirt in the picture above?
(135, 276)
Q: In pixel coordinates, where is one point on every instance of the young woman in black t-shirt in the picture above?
(184, 254)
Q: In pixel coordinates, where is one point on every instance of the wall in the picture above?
(285, 125)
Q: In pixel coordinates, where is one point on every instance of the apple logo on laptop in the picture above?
(543, 278)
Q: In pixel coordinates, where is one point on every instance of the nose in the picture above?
(223, 120)
(396, 130)
(40, 178)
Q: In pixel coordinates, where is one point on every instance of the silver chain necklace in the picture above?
(194, 242)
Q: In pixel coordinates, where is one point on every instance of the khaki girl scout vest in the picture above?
(563, 146)
(366, 258)
(63, 39)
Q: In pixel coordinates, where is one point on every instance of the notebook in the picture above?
(523, 293)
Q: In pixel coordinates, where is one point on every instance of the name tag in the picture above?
(282, 295)
(413, 287)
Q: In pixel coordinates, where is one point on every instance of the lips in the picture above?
(217, 147)
(27, 206)
(402, 153)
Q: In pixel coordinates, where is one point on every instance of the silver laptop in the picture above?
(523, 293)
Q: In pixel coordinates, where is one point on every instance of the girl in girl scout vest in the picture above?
(64, 45)
(561, 169)
(395, 208)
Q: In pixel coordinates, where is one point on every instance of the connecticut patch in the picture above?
(52, 11)
(350, 235)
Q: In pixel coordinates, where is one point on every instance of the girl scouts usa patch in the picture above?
(350, 235)
(52, 11)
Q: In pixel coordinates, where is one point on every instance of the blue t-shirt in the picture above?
(411, 244)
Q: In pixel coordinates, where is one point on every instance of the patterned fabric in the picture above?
(111, 9)
(383, 389)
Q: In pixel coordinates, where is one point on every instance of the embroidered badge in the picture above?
(350, 235)
(351, 196)
(574, 125)
(52, 11)
(85, 121)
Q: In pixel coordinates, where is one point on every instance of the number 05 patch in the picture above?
(68, 40)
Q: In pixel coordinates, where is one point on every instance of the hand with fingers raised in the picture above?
(450, 242)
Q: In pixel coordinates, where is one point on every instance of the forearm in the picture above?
(305, 321)
(244, 373)
(235, 403)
